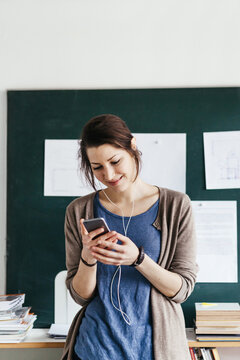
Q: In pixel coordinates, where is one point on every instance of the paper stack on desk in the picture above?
(15, 320)
(217, 321)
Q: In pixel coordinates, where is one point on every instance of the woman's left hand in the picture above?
(116, 254)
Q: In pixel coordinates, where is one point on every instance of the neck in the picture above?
(127, 196)
(139, 196)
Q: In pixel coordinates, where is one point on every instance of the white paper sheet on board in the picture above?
(163, 155)
(61, 174)
(216, 229)
(222, 159)
(163, 159)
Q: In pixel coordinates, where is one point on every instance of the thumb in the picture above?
(83, 229)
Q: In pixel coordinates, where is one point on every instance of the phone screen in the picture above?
(96, 223)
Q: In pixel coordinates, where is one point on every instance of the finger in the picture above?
(93, 234)
(110, 236)
(122, 238)
(106, 252)
(111, 246)
(83, 229)
(102, 241)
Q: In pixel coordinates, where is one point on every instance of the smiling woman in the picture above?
(101, 130)
(151, 248)
(112, 166)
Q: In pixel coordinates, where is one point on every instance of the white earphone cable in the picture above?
(119, 269)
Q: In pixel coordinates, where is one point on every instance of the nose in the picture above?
(108, 173)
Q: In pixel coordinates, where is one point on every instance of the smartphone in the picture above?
(96, 223)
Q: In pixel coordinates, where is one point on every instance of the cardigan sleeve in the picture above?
(184, 259)
(73, 247)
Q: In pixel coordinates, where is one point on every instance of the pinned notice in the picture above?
(222, 159)
(216, 230)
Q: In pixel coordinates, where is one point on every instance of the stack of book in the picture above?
(15, 320)
(217, 321)
(204, 354)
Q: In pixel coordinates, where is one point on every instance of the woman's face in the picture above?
(114, 167)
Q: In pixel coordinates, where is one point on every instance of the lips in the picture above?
(114, 183)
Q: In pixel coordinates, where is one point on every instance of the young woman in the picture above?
(131, 280)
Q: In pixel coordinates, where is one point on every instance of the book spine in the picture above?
(215, 354)
(217, 323)
(204, 354)
(196, 354)
(209, 354)
(192, 353)
(199, 354)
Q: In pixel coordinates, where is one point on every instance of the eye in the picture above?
(115, 162)
(98, 167)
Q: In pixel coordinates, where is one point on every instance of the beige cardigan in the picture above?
(178, 253)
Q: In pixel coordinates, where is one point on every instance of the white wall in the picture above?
(66, 44)
(79, 44)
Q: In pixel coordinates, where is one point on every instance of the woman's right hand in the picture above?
(88, 242)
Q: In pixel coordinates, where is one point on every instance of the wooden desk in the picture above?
(38, 338)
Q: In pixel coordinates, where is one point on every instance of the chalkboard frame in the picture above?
(35, 237)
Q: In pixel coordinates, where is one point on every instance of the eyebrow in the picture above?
(107, 160)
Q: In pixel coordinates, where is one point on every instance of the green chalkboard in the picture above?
(35, 238)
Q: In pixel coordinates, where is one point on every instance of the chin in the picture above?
(122, 187)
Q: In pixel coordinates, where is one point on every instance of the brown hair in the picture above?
(105, 129)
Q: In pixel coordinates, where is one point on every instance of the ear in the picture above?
(133, 143)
